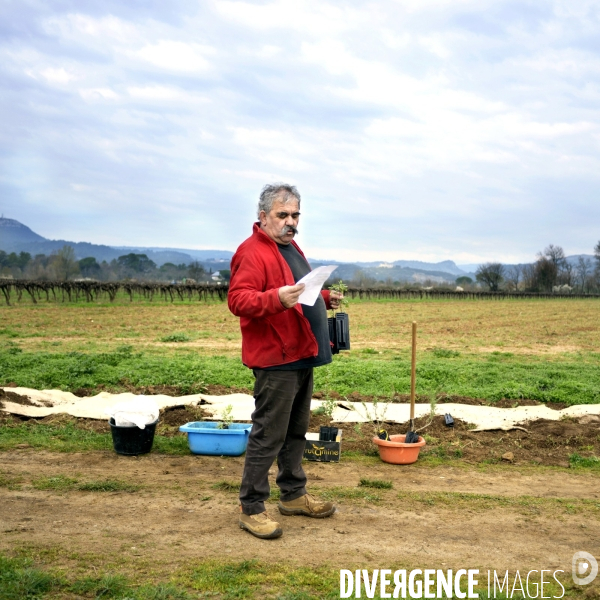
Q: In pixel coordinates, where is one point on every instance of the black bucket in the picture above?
(132, 441)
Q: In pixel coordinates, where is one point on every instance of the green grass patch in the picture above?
(440, 453)
(9, 333)
(484, 502)
(367, 457)
(254, 579)
(444, 353)
(573, 380)
(586, 462)
(107, 586)
(10, 481)
(20, 581)
(379, 484)
(69, 438)
(227, 486)
(176, 337)
(351, 494)
(56, 438)
(119, 370)
(108, 485)
(61, 483)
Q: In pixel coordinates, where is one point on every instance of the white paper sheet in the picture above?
(314, 282)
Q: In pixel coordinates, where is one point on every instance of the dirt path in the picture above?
(522, 522)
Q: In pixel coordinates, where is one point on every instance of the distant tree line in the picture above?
(19, 290)
(551, 272)
(62, 265)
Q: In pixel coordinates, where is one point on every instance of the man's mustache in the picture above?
(289, 229)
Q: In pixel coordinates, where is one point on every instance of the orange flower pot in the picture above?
(396, 452)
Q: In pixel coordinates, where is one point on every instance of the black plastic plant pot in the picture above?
(327, 434)
(132, 441)
(331, 322)
(339, 332)
(342, 326)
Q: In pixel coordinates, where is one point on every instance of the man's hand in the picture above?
(334, 299)
(289, 294)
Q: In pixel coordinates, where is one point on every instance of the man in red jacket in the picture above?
(282, 341)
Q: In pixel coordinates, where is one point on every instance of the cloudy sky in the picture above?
(414, 129)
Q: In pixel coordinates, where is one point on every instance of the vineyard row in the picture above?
(94, 291)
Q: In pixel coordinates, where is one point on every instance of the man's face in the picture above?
(281, 223)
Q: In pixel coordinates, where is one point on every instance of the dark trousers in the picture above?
(279, 423)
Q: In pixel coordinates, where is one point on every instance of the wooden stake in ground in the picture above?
(411, 436)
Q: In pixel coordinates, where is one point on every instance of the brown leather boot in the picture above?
(308, 506)
(261, 526)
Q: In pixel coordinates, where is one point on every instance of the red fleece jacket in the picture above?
(271, 334)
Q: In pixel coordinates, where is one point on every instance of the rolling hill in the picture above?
(17, 237)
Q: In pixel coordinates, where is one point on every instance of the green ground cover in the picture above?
(572, 380)
(66, 437)
(22, 578)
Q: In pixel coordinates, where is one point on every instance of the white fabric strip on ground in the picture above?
(49, 402)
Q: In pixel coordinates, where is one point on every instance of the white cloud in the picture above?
(177, 56)
(435, 45)
(155, 92)
(268, 51)
(395, 40)
(85, 29)
(284, 150)
(57, 75)
(429, 5)
(98, 94)
(464, 120)
(310, 17)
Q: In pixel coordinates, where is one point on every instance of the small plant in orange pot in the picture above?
(392, 449)
(404, 449)
(395, 451)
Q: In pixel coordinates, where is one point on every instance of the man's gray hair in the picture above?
(276, 191)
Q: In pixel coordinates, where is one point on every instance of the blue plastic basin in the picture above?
(205, 438)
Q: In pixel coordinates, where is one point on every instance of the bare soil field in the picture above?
(545, 327)
(503, 500)
(472, 508)
(437, 517)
